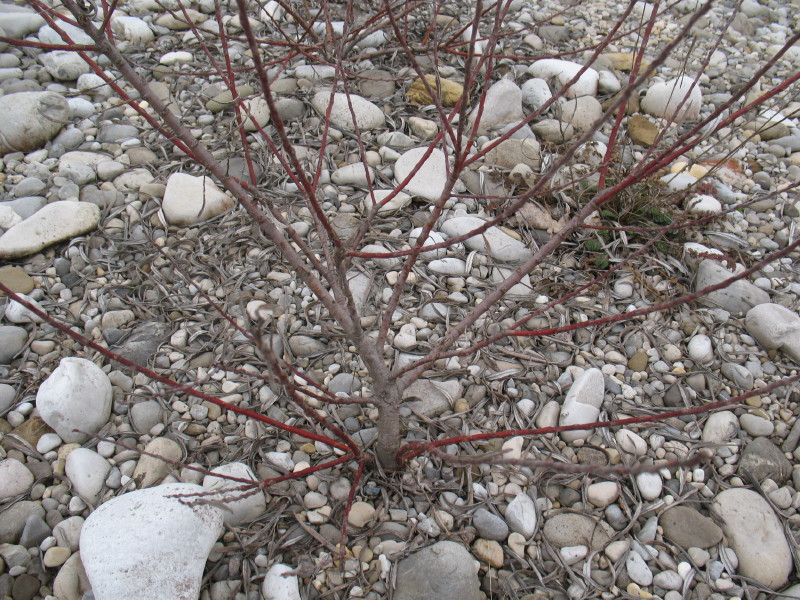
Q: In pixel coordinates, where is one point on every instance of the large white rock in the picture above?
(149, 544)
(278, 586)
(663, 99)
(429, 179)
(18, 21)
(563, 71)
(30, 119)
(256, 113)
(15, 478)
(739, 297)
(77, 395)
(582, 404)
(521, 515)
(53, 223)
(63, 65)
(238, 505)
(367, 115)
(398, 201)
(535, 92)
(720, 427)
(189, 200)
(775, 327)
(48, 35)
(493, 241)
(755, 534)
(503, 105)
(87, 472)
(133, 29)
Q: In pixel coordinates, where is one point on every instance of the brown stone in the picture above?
(15, 279)
(642, 130)
(450, 93)
(687, 528)
(624, 61)
(638, 362)
(30, 431)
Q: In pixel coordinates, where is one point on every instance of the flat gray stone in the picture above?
(687, 528)
(30, 120)
(56, 222)
(443, 571)
(764, 459)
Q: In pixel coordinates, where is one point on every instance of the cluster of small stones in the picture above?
(86, 197)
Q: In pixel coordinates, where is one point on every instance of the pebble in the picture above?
(23, 128)
(279, 584)
(87, 471)
(666, 99)
(189, 200)
(493, 241)
(521, 515)
(564, 71)
(775, 327)
(603, 493)
(420, 574)
(15, 478)
(428, 176)
(238, 505)
(582, 404)
(503, 105)
(361, 514)
(349, 111)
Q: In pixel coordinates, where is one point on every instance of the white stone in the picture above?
(49, 441)
(582, 112)
(694, 252)
(18, 21)
(564, 71)
(398, 201)
(177, 57)
(631, 442)
(521, 515)
(739, 297)
(572, 554)
(423, 128)
(608, 83)
(650, 485)
(582, 404)
(703, 204)
(53, 223)
(701, 349)
(76, 395)
(279, 586)
(356, 174)
(434, 237)
(48, 35)
(315, 72)
(87, 471)
(255, 111)
(448, 266)
(132, 29)
(92, 83)
(677, 182)
(494, 242)
(429, 179)
(512, 447)
(603, 493)
(31, 119)
(406, 338)
(756, 535)
(189, 200)
(663, 99)
(8, 218)
(720, 427)
(15, 478)
(775, 327)
(535, 92)
(239, 505)
(148, 545)
(367, 115)
(17, 313)
(503, 105)
(63, 65)
(637, 569)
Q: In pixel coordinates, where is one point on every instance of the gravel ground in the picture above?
(103, 230)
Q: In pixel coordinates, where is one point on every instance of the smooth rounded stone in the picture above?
(603, 493)
(27, 206)
(304, 345)
(443, 571)
(238, 505)
(720, 427)
(775, 327)
(56, 556)
(631, 442)
(738, 298)
(315, 72)
(582, 404)
(582, 112)
(87, 471)
(34, 532)
(762, 459)
(755, 533)
(30, 186)
(63, 65)
(398, 201)
(256, 112)
(571, 529)
(663, 99)
(361, 514)
(429, 179)
(356, 174)
(642, 131)
(344, 383)
(48, 35)
(17, 280)
(448, 266)
(148, 545)
(489, 525)
(15, 478)
(739, 375)
(554, 131)
(494, 241)
(278, 585)
(30, 120)
(367, 115)
(117, 132)
(637, 569)
(448, 92)
(18, 313)
(564, 71)
(650, 485)
(14, 517)
(376, 83)
(510, 153)
(521, 515)
(607, 83)
(503, 105)
(12, 341)
(48, 442)
(76, 395)
(71, 582)
(756, 426)
(55, 222)
(150, 470)
(430, 398)
(189, 200)
(700, 349)
(703, 204)
(132, 29)
(18, 21)
(679, 182)
(686, 527)
(535, 92)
